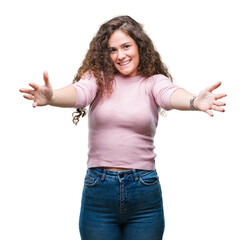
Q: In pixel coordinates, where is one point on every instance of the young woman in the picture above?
(125, 83)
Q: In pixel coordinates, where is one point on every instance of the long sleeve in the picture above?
(162, 90)
(86, 89)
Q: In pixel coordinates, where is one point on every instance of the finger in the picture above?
(220, 95)
(46, 79)
(26, 90)
(218, 103)
(214, 86)
(210, 113)
(34, 104)
(218, 109)
(29, 97)
(33, 85)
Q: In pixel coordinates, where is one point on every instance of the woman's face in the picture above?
(124, 53)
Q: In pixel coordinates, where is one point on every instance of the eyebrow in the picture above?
(120, 45)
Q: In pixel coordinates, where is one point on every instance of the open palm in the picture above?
(207, 101)
(41, 95)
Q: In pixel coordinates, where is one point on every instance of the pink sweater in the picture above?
(122, 127)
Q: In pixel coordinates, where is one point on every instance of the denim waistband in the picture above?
(103, 173)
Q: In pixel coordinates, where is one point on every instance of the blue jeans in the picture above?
(123, 205)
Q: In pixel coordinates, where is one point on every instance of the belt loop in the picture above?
(104, 175)
(135, 174)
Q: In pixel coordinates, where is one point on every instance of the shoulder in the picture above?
(157, 79)
(88, 76)
(88, 80)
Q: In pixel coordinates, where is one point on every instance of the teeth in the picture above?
(124, 63)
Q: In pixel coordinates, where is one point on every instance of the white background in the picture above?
(201, 160)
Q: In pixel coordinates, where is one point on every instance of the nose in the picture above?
(121, 55)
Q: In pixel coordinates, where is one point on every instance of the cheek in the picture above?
(113, 59)
(136, 55)
(137, 59)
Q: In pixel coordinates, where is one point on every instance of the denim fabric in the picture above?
(123, 205)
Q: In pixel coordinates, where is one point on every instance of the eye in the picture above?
(112, 50)
(126, 46)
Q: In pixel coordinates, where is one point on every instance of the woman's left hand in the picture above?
(207, 101)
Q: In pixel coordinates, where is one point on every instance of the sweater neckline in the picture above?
(135, 78)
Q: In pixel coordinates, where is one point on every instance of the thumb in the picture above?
(214, 86)
(46, 79)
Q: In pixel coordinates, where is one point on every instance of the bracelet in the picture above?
(192, 104)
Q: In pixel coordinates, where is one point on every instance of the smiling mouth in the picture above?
(124, 63)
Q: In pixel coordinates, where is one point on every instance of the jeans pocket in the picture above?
(149, 179)
(91, 179)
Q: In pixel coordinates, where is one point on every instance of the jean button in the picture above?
(121, 175)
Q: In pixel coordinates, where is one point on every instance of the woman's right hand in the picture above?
(41, 95)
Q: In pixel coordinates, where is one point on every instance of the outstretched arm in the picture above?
(205, 101)
(45, 95)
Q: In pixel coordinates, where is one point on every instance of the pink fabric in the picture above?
(122, 127)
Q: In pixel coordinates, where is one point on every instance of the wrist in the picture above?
(51, 99)
(193, 104)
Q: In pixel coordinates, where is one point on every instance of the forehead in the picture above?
(118, 38)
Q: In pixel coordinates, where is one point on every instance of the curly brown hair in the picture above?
(98, 61)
